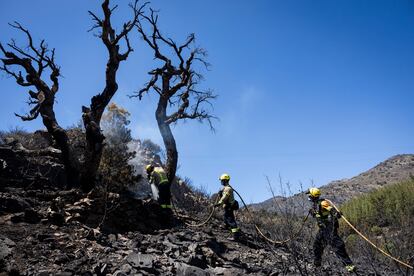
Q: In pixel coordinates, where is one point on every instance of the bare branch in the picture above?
(39, 55)
(127, 27)
(27, 60)
(147, 87)
(34, 95)
(196, 112)
(34, 112)
(12, 45)
(108, 33)
(152, 42)
(128, 51)
(190, 39)
(18, 77)
(178, 79)
(18, 26)
(98, 22)
(111, 40)
(175, 83)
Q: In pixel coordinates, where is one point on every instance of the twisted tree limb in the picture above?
(175, 83)
(92, 115)
(32, 62)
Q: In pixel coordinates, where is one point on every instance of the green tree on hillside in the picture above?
(115, 168)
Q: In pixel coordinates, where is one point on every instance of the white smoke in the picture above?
(115, 127)
(143, 156)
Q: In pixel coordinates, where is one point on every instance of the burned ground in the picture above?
(48, 229)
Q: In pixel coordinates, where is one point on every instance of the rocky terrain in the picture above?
(39, 241)
(45, 230)
(393, 170)
(48, 229)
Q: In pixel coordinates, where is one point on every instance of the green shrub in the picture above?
(114, 168)
(385, 217)
(376, 230)
(389, 206)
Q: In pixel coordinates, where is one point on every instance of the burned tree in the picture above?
(175, 81)
(92, 115)
(36, 60)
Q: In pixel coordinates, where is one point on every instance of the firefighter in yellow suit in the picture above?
(327, 219)
(228, 203)
(158, 177)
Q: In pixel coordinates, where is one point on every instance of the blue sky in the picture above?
(311, 90)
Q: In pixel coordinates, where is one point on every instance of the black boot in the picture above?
(235, 236)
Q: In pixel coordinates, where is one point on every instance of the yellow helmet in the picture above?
(314, 192)
(149, 168)
(225, 176)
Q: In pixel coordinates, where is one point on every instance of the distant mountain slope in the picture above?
(393, 170)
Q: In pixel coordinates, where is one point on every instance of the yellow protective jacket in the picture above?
(325, 214)
(158, 177)
(227, 196)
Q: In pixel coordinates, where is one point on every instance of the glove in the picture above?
(339, 214)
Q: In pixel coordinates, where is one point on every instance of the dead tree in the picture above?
(175, 81)
(92, 115)
(36, 60)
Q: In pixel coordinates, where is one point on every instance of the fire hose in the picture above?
(260, 232)
(367, 240)
(196, 224)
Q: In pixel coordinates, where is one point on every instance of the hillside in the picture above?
(48, 229)
(389, 207)
(393, 170)
(386, 217)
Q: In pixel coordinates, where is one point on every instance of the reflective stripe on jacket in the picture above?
(227, 196)
(158, 176)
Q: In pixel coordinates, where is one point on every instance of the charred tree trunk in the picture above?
(93, 151)
(35, 60)
(62, 140)
(168, 139)
(43, 99)
(176, 86)
(92, 120)
(92, 115)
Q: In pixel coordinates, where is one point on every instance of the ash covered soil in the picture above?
(56, 233)
(46, 232)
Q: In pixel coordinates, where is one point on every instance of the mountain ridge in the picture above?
(393, 170)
